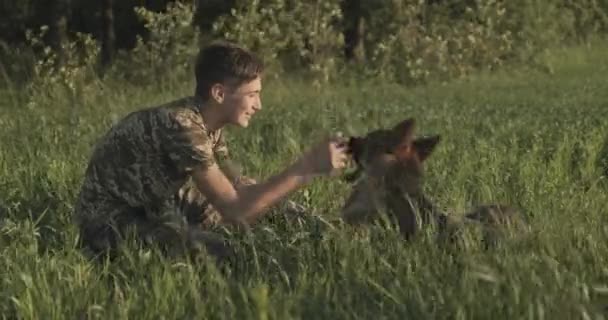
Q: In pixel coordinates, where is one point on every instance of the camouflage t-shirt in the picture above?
(144, 160)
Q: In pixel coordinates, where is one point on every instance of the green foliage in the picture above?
(168, 50)
(16, 64)
(410, 41)
(406, 41)
(295, 34)
(72, 77)
(590, 16)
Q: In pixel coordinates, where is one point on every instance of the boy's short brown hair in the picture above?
(225, 62)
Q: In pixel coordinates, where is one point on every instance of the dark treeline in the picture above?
(93, 17)
(405, 39)
(115, 24)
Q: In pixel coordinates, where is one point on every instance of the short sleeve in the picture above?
(221, 149)
(188, 143)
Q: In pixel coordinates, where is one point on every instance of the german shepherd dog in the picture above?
(389, 178)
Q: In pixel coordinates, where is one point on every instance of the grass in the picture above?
(536, 141)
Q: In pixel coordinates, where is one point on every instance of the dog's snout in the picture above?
(354, 146)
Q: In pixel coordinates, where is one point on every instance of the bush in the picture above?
(297, 35)
(405, 41)
(169, 48)
(73, 76)
(412, 41)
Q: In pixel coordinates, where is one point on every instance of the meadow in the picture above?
(538, 141)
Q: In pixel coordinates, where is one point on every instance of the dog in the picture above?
(389, 178)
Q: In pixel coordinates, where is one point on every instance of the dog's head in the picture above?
(392, 160)
(394, 151)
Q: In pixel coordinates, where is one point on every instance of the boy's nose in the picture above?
(259, 104)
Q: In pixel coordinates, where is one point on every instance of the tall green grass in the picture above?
(537, 141)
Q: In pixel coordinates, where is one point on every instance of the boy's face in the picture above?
(243, 102)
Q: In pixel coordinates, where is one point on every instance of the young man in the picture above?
(159, 171)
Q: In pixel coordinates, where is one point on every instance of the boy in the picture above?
(158, 171)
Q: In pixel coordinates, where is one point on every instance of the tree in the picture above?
(108, 37)
(58, 27)
(354, 30)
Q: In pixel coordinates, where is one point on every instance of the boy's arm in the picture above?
(245, 204)
(190, 149)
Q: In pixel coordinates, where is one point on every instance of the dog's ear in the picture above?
(403, 133)
(424, 146)
(404, 130)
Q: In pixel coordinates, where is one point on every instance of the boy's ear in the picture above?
(426, 145)
(404, 132)
(217, 92)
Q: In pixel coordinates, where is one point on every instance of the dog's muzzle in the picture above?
(355, 147)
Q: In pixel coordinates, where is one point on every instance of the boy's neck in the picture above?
(214, 119)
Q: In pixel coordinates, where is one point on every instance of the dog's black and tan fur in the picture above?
(389, 178)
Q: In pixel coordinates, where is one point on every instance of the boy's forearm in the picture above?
(256, 198)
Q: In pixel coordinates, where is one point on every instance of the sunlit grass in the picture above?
(536, 141)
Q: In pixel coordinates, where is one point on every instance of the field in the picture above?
(537, 141)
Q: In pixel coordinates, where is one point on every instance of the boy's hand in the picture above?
(328, 157)
(244, 181)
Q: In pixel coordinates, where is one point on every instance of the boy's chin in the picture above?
(243, 123)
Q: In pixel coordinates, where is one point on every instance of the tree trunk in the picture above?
(354, 30)
(58, 29)
(108, 37)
